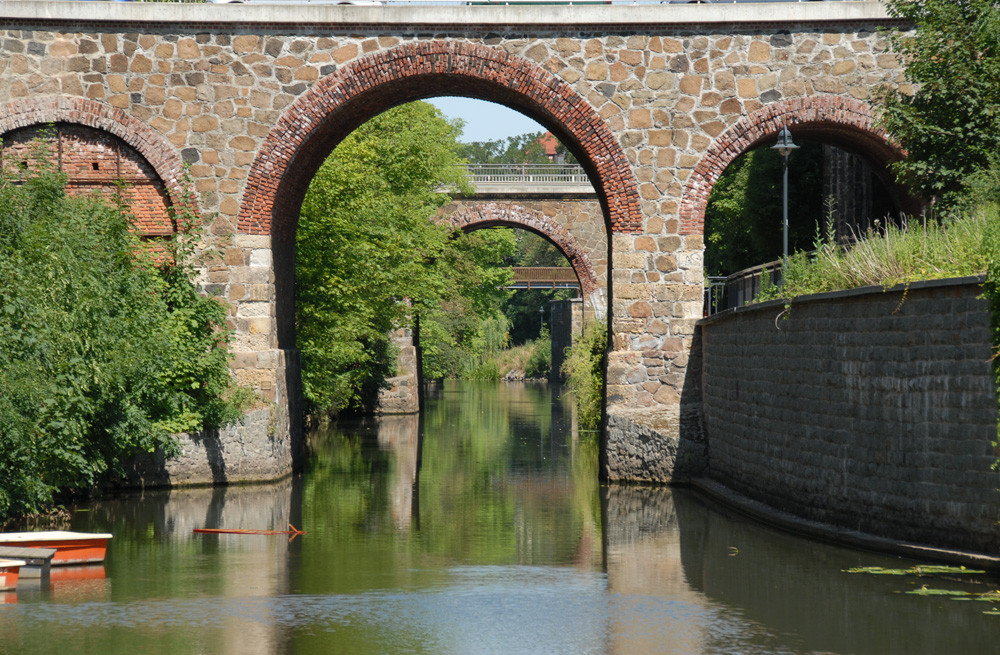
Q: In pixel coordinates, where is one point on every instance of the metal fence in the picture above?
(544, 277)
(740, 288)
(525, 174)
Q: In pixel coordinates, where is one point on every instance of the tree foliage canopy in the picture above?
(369, 256)
(105, 354)
(949, 122)
(518, 149)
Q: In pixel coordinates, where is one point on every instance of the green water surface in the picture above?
(479, 528)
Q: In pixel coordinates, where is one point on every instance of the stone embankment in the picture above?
(870, 410)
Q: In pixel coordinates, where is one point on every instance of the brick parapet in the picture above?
(549, 219)
(846, 119)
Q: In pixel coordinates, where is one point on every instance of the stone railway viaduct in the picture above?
(655, 101)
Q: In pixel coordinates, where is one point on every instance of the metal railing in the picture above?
(525, 174)
(740, 288)
(544, 277)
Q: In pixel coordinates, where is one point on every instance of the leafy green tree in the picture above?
(105, 354)
(948, 121)
(467, 323)
(369, 256)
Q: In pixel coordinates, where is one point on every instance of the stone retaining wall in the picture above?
(869, 409)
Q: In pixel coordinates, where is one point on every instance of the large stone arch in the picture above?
(505, 214)
(841, 121)
(158, 153)
(337, 104)
(305, 134)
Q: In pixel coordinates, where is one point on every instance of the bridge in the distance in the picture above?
(522, 179)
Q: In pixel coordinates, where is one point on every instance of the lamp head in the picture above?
(785, 145)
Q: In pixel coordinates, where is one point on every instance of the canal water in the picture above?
(480, 528)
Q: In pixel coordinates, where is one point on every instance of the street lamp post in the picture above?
(785, 145)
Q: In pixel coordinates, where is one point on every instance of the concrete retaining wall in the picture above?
(869, 409)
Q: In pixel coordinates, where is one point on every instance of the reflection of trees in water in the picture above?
(494, 475)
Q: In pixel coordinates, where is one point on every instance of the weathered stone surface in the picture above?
(403, 393)
(872, 411)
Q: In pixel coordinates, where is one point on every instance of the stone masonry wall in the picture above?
(652, 106)
(870, 409)
(403, 393)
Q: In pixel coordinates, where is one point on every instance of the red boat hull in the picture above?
(71, 548)
(9, 571)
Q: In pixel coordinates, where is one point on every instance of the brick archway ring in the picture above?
(158, 152)
(494, 214)
(340, 102)
(843, 121)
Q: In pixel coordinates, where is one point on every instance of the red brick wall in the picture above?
(94, 162)
(109, 137)
(835, 120)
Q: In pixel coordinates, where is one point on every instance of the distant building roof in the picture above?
(550, 143)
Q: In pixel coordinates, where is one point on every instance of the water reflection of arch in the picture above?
(846, 123)
(504, 214)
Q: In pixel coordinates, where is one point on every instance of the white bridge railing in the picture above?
(525, 174)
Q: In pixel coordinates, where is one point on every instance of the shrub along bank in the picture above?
(584, 371)
(107, 346)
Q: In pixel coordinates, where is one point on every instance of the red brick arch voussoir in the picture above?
(305, 133)
(28, 112)
(495, 214)
(841, 121)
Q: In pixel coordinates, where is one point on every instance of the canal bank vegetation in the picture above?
(891, 254)
(584, 371)
(108, 347)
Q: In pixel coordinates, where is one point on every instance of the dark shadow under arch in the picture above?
(844, 122)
